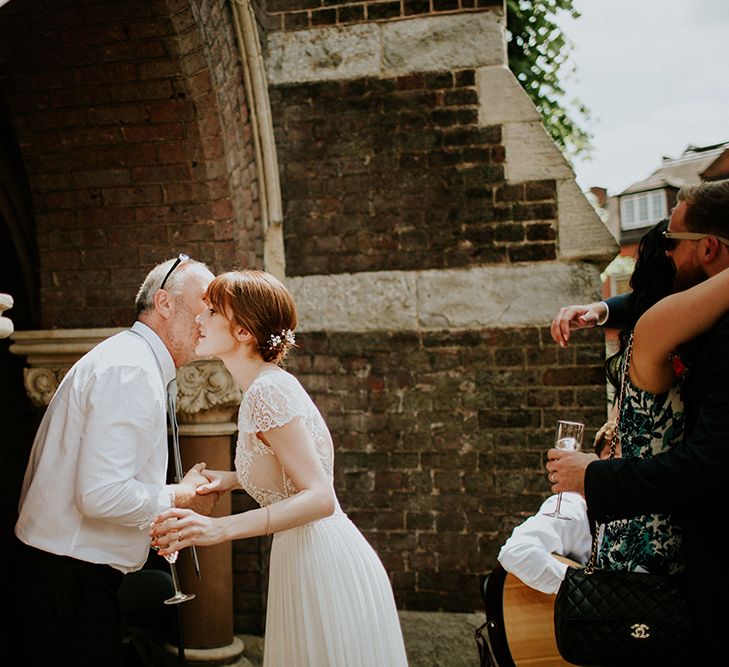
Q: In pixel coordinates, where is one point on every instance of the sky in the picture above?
(654, 75)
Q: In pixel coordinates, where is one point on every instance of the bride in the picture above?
(329, 598)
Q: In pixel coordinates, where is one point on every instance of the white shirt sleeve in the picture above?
(528, 552)
(122, 415)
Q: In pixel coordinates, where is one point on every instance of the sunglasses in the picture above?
(180, 258)
(671, 239)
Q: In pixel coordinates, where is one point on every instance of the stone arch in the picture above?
(136, 136)
(212, 78)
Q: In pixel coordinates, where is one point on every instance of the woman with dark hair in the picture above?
(651, 280)
(649, 424)
(330, 602)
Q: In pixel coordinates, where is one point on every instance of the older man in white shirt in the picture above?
(96, 474)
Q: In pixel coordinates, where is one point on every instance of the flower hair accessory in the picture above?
(286, 337)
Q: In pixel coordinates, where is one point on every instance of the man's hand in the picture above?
(186, 495)
(567, 470)
(576, 317)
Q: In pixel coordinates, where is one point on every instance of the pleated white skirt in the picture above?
(330, 603)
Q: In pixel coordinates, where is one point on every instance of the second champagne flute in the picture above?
(568, 437)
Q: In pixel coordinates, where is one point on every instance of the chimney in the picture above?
(600, 195)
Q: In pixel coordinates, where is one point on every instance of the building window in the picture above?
(642, 210)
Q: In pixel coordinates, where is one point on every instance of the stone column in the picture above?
(208, 400)
(207, 407)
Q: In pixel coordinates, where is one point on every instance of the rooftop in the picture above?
(687, 169)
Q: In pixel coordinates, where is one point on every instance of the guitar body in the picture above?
(529, 625)
(519, 623)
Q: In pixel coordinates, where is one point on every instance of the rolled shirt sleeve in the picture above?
(528, 552)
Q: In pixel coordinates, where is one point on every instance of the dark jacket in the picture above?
(690, 481)
(620, 315)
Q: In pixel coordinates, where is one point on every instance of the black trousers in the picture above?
(71, 610)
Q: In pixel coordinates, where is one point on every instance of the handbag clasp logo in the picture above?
(640, 631)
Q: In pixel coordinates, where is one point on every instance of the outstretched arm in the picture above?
(529, 551)
(187, 491)
(672, 321)
(574, 317)
(178, 528)
(218, 481)
(612, 312)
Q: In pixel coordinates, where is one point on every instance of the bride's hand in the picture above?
(219, 481)
(177, 529)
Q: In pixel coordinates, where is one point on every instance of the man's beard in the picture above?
(689, 276)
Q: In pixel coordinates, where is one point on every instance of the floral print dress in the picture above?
(648, 424)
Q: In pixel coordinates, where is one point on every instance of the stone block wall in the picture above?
(427, 220)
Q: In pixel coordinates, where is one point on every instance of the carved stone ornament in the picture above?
(206, 392)
(49, 354)
(41, 383)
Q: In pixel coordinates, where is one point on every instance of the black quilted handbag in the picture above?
(611, 617)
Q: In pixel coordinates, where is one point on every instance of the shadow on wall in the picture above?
(18, 278)
(18, 421)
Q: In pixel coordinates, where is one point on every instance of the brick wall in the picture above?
(381, 174)
(440, 440)
(132, 124)
(302, 14)
(439, 436)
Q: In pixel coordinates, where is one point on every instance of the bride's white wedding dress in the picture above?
(330, 603)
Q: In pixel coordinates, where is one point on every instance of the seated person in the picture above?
(530, 553)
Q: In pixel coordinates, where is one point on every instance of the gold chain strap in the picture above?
(590, 567)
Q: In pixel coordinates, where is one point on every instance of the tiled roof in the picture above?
(683, 170)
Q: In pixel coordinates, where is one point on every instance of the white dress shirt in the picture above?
(528, 552)
(96, 475)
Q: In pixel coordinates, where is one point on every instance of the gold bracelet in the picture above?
(268, 519)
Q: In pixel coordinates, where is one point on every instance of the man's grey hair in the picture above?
(707, 207)
(174, 284)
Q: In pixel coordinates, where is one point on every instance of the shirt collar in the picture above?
(167, 366)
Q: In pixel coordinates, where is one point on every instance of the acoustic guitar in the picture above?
(519, 622)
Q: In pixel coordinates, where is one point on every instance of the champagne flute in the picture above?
(568, 437)
(171, 558)
(179, 596)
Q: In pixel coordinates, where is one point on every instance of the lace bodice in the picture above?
(274, 398)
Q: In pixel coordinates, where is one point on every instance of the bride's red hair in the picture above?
(260, 303)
